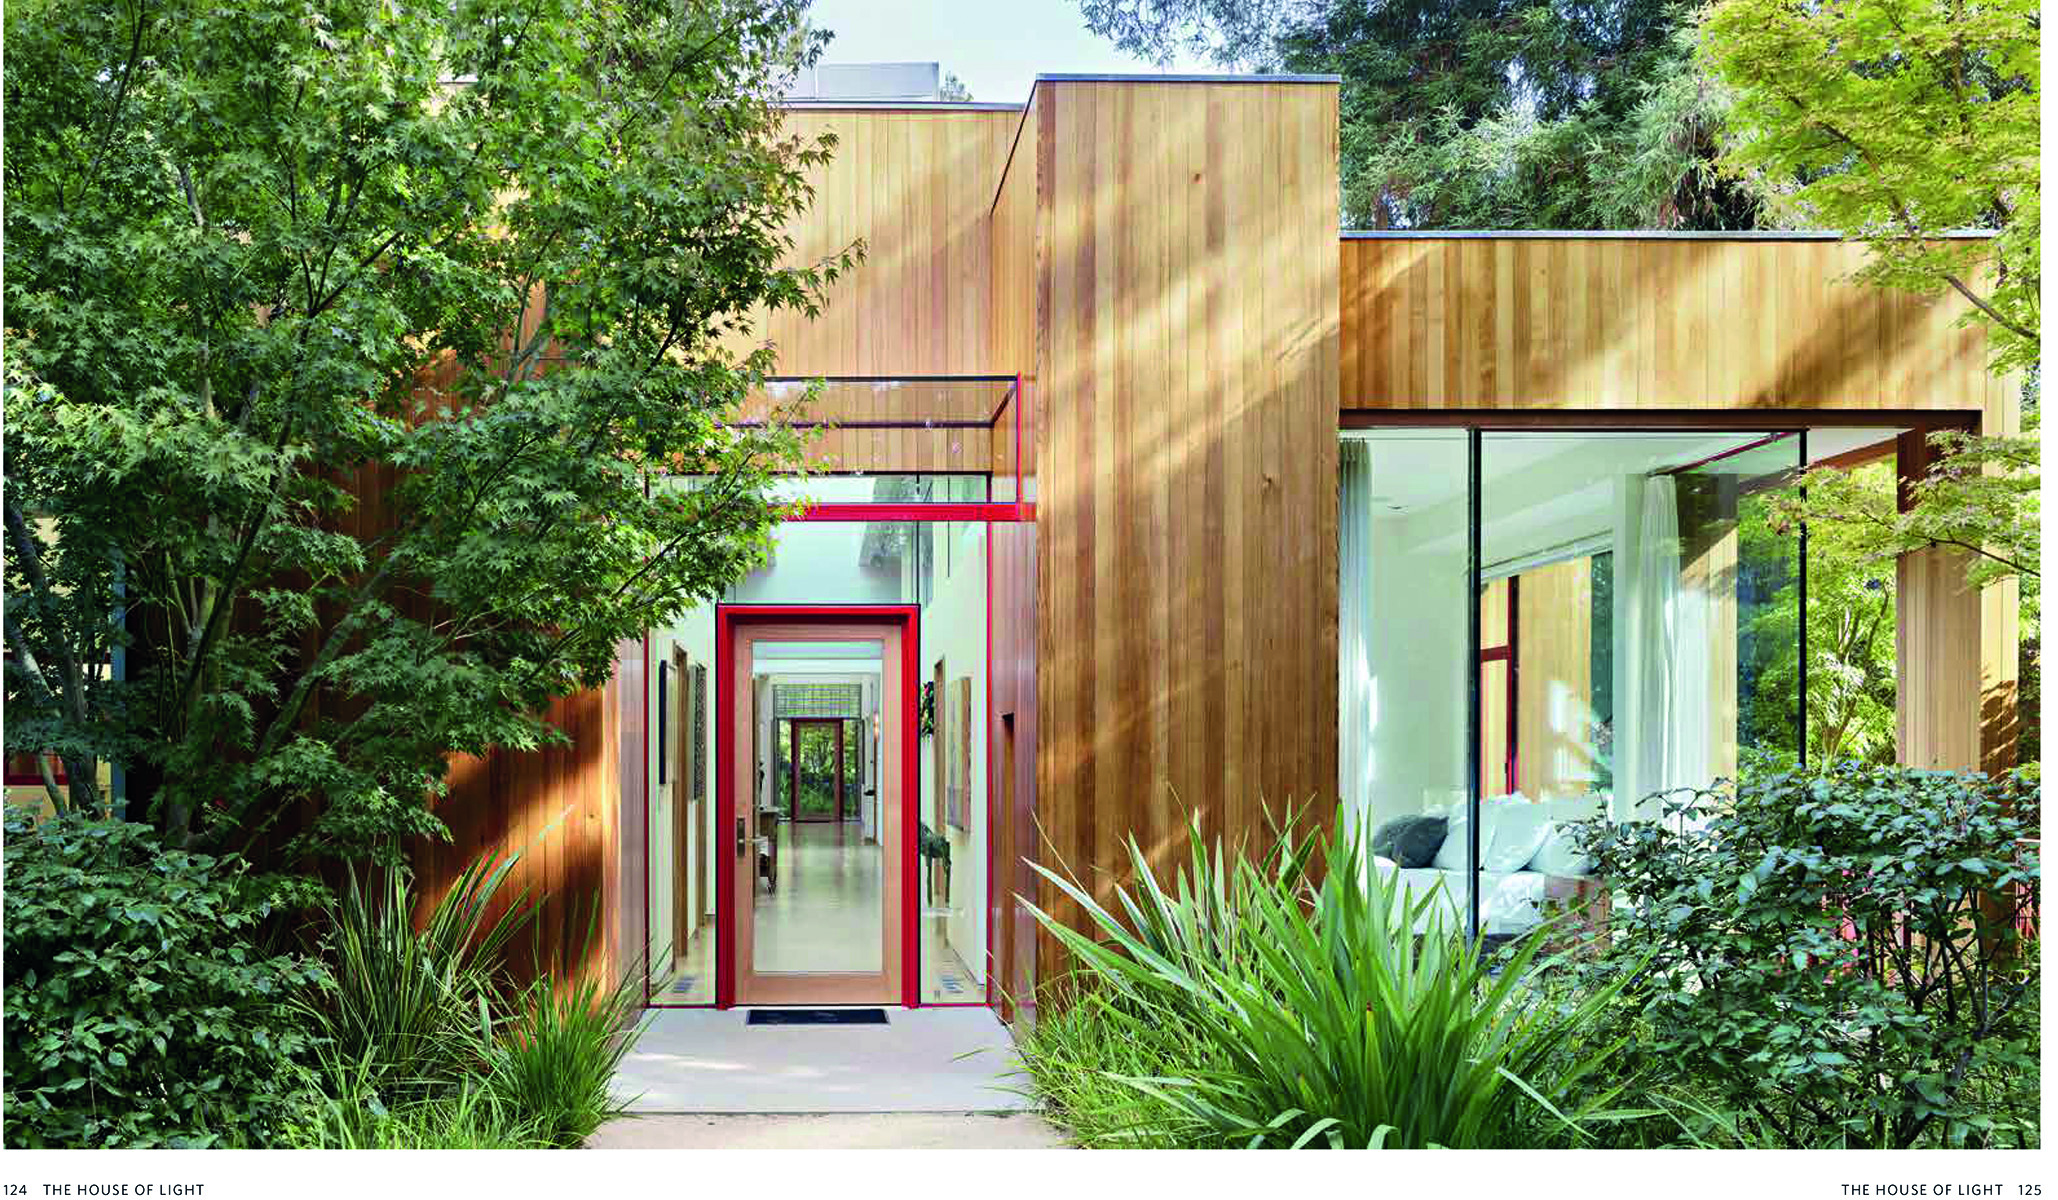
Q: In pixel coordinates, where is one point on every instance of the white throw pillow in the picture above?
(1561, 854)
(1451, 855)
(1515, 830)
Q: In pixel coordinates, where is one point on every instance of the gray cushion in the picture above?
(1410, 841)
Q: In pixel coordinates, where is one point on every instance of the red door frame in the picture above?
(727, 618)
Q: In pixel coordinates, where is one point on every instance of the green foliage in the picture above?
(1896, 121)
(1852, 685)
(1078, 1058)
(1834, 958)
(470, 1119)
(141, 1009)
(1323, 1020)
(557, 1058)
(411, 1011)
(1980, 497)
(1485, 114)
(265, 261)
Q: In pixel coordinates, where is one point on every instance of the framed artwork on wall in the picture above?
(959, 748)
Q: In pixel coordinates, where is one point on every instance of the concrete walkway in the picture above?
(830, 1131)
(703, 1060)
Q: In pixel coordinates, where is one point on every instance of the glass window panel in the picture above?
(939, 566)
(952, 764)
(825, 911)
(680, 841)
(1402, 555)
(1637, 568)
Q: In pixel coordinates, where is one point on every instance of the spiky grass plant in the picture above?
(411, 1011)
(469, 1118)
(1321, 1017)
(557, 1058)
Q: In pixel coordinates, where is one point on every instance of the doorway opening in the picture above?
(816, 707)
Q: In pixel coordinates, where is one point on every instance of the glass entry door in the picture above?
(818, 881)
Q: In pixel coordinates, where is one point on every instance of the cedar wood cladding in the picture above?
(1161, 262)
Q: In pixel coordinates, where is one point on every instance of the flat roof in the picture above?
(1677, 235)
(1063, 77)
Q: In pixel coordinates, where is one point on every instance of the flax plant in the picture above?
(1320, 1015)
(411, 1011)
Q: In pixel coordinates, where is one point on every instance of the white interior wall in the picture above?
(1418, 673)
(954, 628)
(694, 631)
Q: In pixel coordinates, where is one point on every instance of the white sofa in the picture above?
(1528, 857)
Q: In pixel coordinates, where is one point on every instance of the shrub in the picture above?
(557, 1059)
(471, 1118)
(1078, 1056)
(1836, 957)
(140, 1009)
(411, 1011)
(1322, 1018)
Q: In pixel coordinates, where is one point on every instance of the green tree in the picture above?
(1897, 121)
(1498, 114)
(1850, 635)
(349, 348)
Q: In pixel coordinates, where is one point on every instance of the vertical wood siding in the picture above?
(1186, 507)
(1513, 322)
(916, 188)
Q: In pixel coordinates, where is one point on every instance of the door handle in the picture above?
(742, 839)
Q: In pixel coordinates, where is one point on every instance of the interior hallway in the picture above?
(825, 916)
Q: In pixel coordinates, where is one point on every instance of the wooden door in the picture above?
(791, 981)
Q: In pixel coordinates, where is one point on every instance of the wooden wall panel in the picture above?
(1014, 254)
(1186, 507)
(1012, 750)
(1514, 322)
(1554, 683)
(558, 808)
(917, 187)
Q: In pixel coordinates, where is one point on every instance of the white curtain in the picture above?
(1354, 698)
(1663, 711)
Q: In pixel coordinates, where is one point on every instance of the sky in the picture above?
(998, 49)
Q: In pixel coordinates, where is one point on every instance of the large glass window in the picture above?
(1404, 556)
(940, 567)
(1625, 645)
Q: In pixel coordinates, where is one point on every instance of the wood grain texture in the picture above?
(916, 188)
(1513, 322)
(1012, 802)
(1187, 503)
(560, 809)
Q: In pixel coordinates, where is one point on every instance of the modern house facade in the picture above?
(1145, 493)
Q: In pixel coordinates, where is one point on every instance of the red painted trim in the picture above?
(911, 814)
(643, 952)
(727, 618)
(1019, 498)
(725, 811)
(992, 770)
(1514, 672)
(35, 778)
(909, 512)
(1509, 652)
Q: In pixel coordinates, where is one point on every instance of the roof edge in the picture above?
(1674, 235)
(1096, 77)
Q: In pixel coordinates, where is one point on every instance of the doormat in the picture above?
(816, 1016)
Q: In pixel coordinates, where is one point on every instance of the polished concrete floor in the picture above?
(828, 913)
(825, 916)
(934, 1060)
